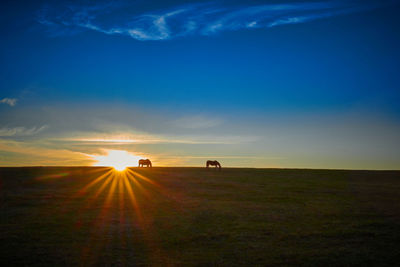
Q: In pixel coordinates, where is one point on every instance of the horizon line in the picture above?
(200, 167)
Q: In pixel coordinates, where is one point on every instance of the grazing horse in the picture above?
(213, 163)
(145, 162)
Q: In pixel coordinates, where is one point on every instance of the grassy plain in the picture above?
(59, 216)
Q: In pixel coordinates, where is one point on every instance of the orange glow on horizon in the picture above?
(117, 159)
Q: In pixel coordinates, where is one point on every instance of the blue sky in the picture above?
(311, 84)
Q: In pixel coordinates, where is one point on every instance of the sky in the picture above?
(268, 84)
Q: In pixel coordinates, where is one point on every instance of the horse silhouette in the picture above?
(145, 162)
(213, 163)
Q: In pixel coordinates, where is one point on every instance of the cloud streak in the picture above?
(192, 19)
(27, 153)
(21, 131)
(153, 139)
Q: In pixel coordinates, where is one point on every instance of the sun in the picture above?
(118, 159)
(120, 167)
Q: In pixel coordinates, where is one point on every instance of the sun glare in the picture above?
(119, 167)
(118, 159)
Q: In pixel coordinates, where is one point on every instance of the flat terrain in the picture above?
(198, 217)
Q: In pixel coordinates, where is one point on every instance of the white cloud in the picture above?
(9, 101)
(191, 19)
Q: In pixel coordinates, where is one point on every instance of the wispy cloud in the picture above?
(28, 153)
(191, 19)
(351, 139)
(9, 101)
(153, 139)
(21, 131)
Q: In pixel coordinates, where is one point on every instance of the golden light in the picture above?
(118, 159)
(119, 198)
(120, 167)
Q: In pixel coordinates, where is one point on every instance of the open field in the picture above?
(191, 216)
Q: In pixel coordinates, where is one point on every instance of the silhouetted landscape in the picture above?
(200, 133)
(197, 217)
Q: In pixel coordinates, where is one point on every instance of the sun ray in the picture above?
(53, 176)
(97, 169)
(138, 185)
(103, 186)
(160, 189)
(95, 181)
(121, 194)
(143, 177)
(133, 200)
(121, 189)
(111, 190)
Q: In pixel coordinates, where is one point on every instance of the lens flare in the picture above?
(121, 201)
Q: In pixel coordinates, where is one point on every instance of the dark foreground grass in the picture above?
(195, 217)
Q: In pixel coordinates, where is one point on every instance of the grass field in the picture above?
(198, 217)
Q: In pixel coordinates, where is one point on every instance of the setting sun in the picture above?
(118, 159)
